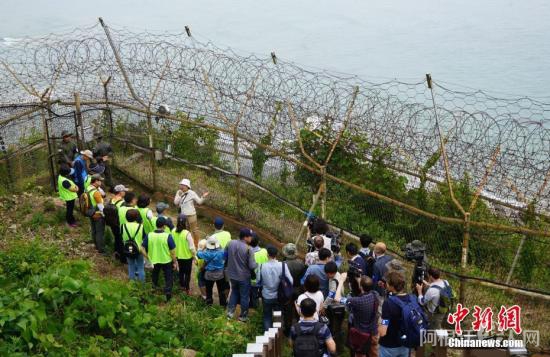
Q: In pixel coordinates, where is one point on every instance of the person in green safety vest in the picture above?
(112, 219)
(161, 207)
(185, 252)
(220, 234)
(97, 220)
(130, 201)
(146, 213)
(260, 255)
(161, 252)
(223, 237)
(132, 229)
(68, 192)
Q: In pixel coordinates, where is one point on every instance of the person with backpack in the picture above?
(403, 320)
(132, 237)
(146, 214)
(185, 252)
(130, 201)
(185, 199)
(94, 208)
(161, 252)
(269, 277)
(68, 192)
(367, 254)
(436, 298)
(161, 208)
(240, 266)
(363, 316)
(297, 268)
(261, 256)
(110, 211)
(309, 337)
(214, 260)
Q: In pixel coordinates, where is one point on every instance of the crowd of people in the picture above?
(363, 280)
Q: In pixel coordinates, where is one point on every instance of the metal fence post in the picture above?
(79, 125)
(237, 170)
(464, 259)
(45, 119)
(153, 161)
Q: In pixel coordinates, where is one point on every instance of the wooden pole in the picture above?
(80, 127)
(48, 142)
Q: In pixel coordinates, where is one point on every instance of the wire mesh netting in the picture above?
(399, 161)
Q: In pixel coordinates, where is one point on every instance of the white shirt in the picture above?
(317, 297)
(187, 200)
(431, 299)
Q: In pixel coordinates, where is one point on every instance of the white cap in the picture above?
(186, 182)
(212, 243)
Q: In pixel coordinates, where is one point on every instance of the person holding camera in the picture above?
(363, 315)
(431, 295)
(319, 270)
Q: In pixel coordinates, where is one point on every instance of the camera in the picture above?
(415, 251)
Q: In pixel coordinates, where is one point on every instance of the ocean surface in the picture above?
(501, 46)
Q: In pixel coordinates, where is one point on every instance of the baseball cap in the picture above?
(121, 188)
(218, 222)
(245, 232)
(161, 206)
(161, 222)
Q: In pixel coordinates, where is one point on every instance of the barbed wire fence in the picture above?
(486, 159)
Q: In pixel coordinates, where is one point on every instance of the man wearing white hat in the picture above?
(186, 198)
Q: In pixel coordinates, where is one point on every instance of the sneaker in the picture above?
(243, 319)
(73, 225)
(230, 314)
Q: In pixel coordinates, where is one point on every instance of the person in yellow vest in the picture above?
(97, 221)
(260, 255)
(161, 207)
(130, 201)
(161, 252)
(185, 252)
(112, 219)
(132, 229)
(146, 213)
(223, 237)
(68, 192)
(94, 170)
(220, 234)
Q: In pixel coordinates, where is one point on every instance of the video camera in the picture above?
(416, 252)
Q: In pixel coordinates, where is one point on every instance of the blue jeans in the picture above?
(269, 306)
(393, 351)
(135, 267)
(240, 294)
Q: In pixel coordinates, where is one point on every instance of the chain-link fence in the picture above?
(464, 172)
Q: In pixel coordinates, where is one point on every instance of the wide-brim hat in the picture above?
(186, 182)
(88, 153)
(289, 250)
(212, 243)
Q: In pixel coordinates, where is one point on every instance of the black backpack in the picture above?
(110, 211)
(131, 249)
(306, 344)
(369, 263)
